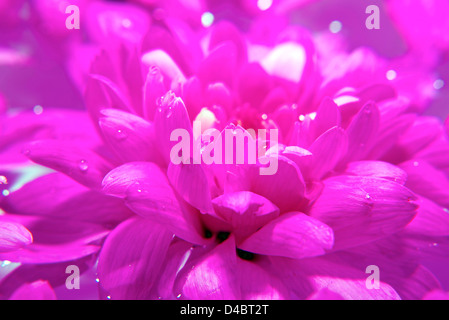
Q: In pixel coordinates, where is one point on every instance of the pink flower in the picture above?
(361, 178)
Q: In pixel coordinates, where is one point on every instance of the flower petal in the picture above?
(245, 211)
(327, 116)
(362, 131)
(13, 236)
(190, 181)
(54, 240)
(431, 219)
(285, 188)
(427, 181)
(170, 115)
(363, 209)
(37, 290)
(130, 137)
(327, 151)
(258, 284)
(148, 193)
(82, 165)
(131, 258)
(214, 276)
(293, 235)
(377, 169)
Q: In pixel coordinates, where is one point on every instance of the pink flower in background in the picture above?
(362, 178)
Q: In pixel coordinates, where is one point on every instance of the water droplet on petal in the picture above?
(121, 134)
(97, 280)
(178, 296)
(83, 166)
(5, 192)
(3, 180)
(108, 297)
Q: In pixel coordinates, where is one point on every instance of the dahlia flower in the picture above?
(161, 186)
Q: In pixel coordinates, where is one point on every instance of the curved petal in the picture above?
(294, 235)
(130, 137)
(363, 209)
(82, 165)
(37, 290)
(131, 258)
(13, 236)
(377, 169)
(245, 211)
(285, 188)
(214, 276)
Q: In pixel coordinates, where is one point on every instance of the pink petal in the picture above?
(325, 294)
(13, 236)
(55, 240)
(427, 181)
(436, 295)
(253, 84)
(190, 181)
(363, 209)
(117, 181)
(174, 261)
(307, 276)
(214, 276)
(220, 65)
(245, 211)
(37, 290)
(130, 137)
(431, 219)
(327, 151)
(160, 59)
(377, 169)
(225, 31)
(327, 116)
(418, 136)
(56, 195)
(285, 188)
(362, 131)
(170, 115)
(82, 165)
(153, 90)
(389, 132)
(148, 193)
(293, 235)
(258, 284)
(42, 195)
(131, 259)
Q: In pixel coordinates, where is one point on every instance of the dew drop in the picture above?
(301, 117)
(367, 196)
(121, 134)
(5, 192)
(108, 297)
(83, 166)
(3, 180)
(97, 280)
(178, 296)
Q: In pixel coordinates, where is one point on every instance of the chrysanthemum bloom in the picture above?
(361, 179)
